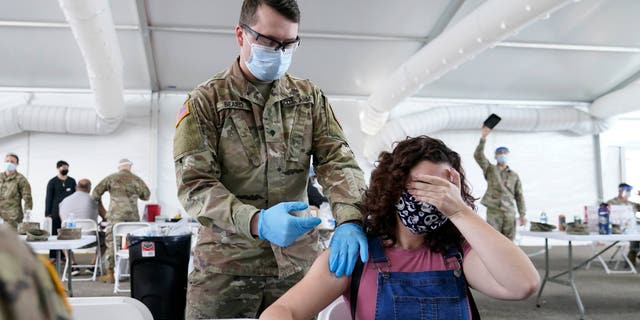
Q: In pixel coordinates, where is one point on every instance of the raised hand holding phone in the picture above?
(489, 124)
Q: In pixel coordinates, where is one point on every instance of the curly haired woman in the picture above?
(427, 246)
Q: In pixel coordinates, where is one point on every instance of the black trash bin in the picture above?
(158, 268)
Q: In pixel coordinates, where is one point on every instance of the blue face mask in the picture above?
(502, 158)
(10, 166)
(267, 64)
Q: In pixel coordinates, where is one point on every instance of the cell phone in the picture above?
(492, 121)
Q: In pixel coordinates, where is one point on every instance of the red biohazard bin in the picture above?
(151, 211)
(158, 268)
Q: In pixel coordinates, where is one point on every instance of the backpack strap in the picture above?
(377, 256)
(458, 253)
(355, 285)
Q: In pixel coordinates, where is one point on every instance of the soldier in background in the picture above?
(125, 188)
(242, 149)
(624, 192)
(503, 189)
(29, 285)
(14, 188)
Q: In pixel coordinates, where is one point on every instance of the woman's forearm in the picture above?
(504, 261)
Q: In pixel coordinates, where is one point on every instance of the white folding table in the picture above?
(54, 244)
(560, 235)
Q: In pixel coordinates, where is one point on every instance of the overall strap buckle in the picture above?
(379, 259)
(453, 252)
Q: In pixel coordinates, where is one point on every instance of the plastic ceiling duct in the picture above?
(490, 23)
(92, 26)
(527, 119)
(618, 102)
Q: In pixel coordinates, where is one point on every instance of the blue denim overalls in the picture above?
(420, 295)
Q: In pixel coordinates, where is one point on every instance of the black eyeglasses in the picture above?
(269, 42)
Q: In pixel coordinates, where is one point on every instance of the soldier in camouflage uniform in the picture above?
(503, 188)
(125, 188)
(14, 188)
(29, 286)
(624, 191)
(242, 148)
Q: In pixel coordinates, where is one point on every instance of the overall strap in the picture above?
(376, 252)
(456, 251)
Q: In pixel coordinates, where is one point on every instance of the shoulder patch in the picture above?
(183, 112)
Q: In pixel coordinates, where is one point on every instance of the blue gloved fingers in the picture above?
(306, 224)
(364, 250)
(334, 255)
(341, 263)
(352, 256)
(295, 206)
(280, 227)
(347, 240)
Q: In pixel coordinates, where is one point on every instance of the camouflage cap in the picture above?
(69, 233)
(541, 227)
(37, 235)
(616, 229)
(23, 227)
(577, 228)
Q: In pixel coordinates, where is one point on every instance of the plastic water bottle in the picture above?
(543, 217)
(604, 226)
(72, 220)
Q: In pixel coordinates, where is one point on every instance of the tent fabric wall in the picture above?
(559, 177)
(89, 156)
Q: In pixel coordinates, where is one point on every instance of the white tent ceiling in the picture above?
(580, 53)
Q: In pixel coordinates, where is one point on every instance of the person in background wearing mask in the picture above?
(14, 188)
(503, 188)
(427, 246)
(242, 151)
(624, 192)
(58, 188)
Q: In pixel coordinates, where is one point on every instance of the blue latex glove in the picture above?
(346, 241)
(277, 226)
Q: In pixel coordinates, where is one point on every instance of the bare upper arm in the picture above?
(314, 292)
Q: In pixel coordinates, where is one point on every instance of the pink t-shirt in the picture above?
(415, 260)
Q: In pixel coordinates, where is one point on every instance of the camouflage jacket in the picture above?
(125, 188)
(27, 288)
(14, 189)
(237, 152)
(503, 185)
(618, 201)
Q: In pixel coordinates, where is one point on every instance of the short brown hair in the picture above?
(15, 156)
(288, 8)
